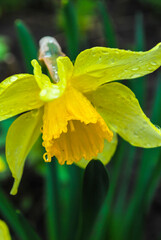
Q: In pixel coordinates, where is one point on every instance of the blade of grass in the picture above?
(64, 195)
(139, 85)
(147, 167)
(122, 194)
(52, 201)
(102, 222)
(71, 28)
(30, 232)
(71, 195)
(147, 180)
(108, 28)
(12, 217)
(156, 117)
(95, 187)
(27, 44)
(139, 32)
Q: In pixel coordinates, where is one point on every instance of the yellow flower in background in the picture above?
(4, 231)
(2, 165)
(79, 115)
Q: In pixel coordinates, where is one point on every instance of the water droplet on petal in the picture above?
(32, 104)
(112, 60)
(117, 52)
(136, 75)
(150, 68)
(47, 157)
(43, 92)
(153, 63)
(135, 69)
(158, 127)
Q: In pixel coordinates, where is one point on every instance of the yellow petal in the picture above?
(105, 156)
(18, 93)
(21, 136)
(49, 90)
(65, 69)
(121, 111)
(4, 231)
(99, 65)
(42, 80)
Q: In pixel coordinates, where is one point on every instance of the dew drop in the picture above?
(47, 157)
(43, 92)
(153, 63)
(32, 104)
(158, 127)
(105, 53)
(150, 68)
(135, 69)
(135, 75)
(13, 78)
(117, 52)
(112, 60)
(2, 88)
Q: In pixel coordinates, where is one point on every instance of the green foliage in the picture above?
(107, 25)
(19, 224)
(7, 5)
(75, 18)
(95, 187)
(139, 85)
(70, 26)
(27, 44)
(4, 49)
(153, 3)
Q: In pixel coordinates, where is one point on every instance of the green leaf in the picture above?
(27, 44)
(69, 185)
(29, 231)
(148, 178)
(62, 199)
(156, 153)
(108, 28)
(138, 85)
(71, 28)
(4, 48)
(103, 223)
(52, 201)
(95, 187)
(19, 225)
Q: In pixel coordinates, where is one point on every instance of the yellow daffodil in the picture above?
(4, 231)
(80, 114)
(2, 165)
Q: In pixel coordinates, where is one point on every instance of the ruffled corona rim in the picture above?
(72, 129)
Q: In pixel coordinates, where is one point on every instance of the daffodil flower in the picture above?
(80, 114)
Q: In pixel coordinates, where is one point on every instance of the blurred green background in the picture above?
(55, 202)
